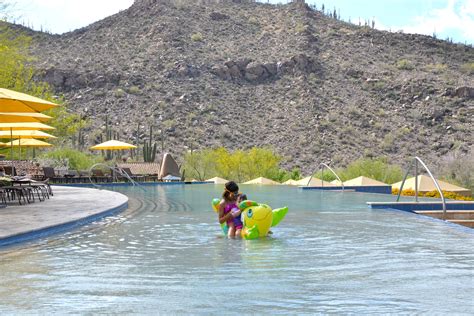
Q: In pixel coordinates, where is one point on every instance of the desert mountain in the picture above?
(241, 74)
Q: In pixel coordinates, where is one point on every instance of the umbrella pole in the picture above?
(11, 146)
(19, 146)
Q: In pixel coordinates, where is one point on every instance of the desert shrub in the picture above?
(300, 28)
(437, 68)
(404, 64)
(119, 93)
(458, 169)
(468, 68)
(406, 192)
(284, 175)
(134, 90)
(253, 20)
(197, 37)
(326, 175)
(78, 160)
(433, 194)
(388, 142)
(5, 181)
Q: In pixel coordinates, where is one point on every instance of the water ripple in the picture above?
(167, 255)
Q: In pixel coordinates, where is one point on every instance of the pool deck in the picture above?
(69, 208)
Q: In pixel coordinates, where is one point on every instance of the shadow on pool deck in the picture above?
(67, 209)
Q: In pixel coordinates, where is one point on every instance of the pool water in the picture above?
(331, 254)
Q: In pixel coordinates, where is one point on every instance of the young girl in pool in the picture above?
(229, 211)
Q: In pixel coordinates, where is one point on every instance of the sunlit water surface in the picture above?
(331, 254)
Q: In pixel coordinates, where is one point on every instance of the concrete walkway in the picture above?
(70, 207)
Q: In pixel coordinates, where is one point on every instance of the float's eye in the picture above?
(249, 213)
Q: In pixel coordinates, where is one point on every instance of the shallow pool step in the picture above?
(464, 218)
(450, 214)
(463, 222)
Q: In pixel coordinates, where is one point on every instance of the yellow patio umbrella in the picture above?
(12, 101)
(16, 126)
(113, 145)
(14, 117)
(29, 142)
(28, 126)
(25, 134)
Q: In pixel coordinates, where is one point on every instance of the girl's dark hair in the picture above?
(231, 191)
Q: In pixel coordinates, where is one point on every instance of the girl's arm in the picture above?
(223, 217)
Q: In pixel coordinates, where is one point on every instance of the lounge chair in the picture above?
(135, 177)
(51, 175)
(99, 176)
(10, 170)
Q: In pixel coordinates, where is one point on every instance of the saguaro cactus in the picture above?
(149, 150)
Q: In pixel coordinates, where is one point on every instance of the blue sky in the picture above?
(446, 18)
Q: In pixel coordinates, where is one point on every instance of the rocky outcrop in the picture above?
(460, 92)
(256, 72)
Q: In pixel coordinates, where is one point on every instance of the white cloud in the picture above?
(456, 18)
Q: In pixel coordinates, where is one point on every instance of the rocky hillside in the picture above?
(242, 74)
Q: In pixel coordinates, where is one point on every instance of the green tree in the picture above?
(377, 169)
(78, 160)
(240, 165)
(200, 165)
(261, 162)
(18, 73)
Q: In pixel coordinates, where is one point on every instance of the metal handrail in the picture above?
(416, 160)
(114, 169)
(322, 170)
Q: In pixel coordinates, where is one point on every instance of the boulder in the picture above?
(285, 66)
(255, 72)
(217, 16)
(221, 71)
(302, 62)
(464, 92)
(271, 68)
(235, 72)
(242, 63)
(461, 92)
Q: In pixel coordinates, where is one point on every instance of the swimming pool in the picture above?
(331, 254)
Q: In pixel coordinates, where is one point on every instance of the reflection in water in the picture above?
(27, 270)
(331, 254)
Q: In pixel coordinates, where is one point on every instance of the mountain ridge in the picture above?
(249, 74)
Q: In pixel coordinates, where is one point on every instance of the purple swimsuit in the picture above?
(237, 222)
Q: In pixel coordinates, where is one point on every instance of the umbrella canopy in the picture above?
(425, 184)
(28, 142)
(315, 182)
(113, 145)
(261, 180)
(336, 182)
(12, 101)
(290, 182)
(2, 144)
(169, 167)
(14, 117)
(363, 181)
(25, 134)
(24, 126)
(217, 180)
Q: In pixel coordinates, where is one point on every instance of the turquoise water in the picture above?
(330, 255)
